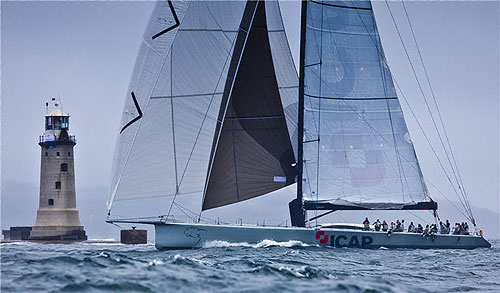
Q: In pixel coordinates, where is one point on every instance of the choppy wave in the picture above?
(267, 266)
(263, 244)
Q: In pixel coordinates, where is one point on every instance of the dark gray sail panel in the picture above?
(254, 154)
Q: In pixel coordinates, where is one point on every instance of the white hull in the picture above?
(182, 236)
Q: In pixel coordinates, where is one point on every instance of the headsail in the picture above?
(191, 66)
(253, 153)
(356, 144)
(177, 86)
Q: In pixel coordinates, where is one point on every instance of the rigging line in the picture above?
(435, 102)
(182, 211)
(190, 211)
(423, 94)
(404, 98)
(228, 100)
(432, 148)
(425, 221)
(141, 120)
(466, 206)
(319, 108)
(173, 132)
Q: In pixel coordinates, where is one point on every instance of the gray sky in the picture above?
(86, 52)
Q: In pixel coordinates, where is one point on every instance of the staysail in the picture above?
(253, 153)
(356, 146)
(211, 107)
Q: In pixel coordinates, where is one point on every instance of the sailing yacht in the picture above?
(215, 107)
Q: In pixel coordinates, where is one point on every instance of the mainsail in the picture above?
(201, 114)
(356, 149)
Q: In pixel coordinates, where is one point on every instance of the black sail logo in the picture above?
(177, 23)
(138, 111)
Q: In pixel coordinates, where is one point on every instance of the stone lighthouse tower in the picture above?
(57, 217)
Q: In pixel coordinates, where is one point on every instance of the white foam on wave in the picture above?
(183, 258)
(263, 244)
(155, 262)
(18, 243)
(298, 272)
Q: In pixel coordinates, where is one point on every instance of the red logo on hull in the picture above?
(322, 237)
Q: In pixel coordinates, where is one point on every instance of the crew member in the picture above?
(367, 224)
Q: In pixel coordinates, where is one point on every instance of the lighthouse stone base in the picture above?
(58, 225)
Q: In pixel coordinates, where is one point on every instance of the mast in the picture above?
(300, 136)
(297, 213)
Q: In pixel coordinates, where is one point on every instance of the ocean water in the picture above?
(266, 267)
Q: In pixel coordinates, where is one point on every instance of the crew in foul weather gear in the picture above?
(384, 226)
(367, 225)
(442, 228)
(377, 225)
(411, 228)
(426, 231)
(465, 228)
(398, 226)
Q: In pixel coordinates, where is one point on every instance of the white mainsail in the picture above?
(356, 143)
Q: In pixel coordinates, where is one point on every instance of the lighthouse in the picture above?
(57, 217)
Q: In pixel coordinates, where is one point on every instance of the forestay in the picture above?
(173, 100)
(356, 143)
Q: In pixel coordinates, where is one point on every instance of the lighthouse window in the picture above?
(69, 154)
(48, 123)
(65, 122)
(57, 154)
(46, 154)
(51, 201)
(58, 184)
(64, 167)
(57, 123)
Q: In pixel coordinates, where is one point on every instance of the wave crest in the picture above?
(262, 244)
